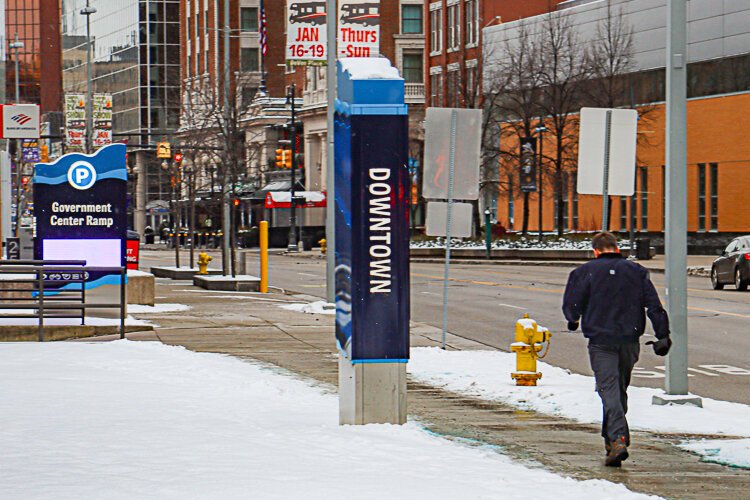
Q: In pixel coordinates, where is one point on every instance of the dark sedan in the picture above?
(733, 267)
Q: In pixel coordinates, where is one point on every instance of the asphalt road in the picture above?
(486, 300)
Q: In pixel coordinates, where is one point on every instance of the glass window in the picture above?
(249, 59)
(436, 30)
(411, 19)
(454, 28)
(249, 19)
(623, 213)
(471, 17)
(714, 196)
(436, 90)
(701, 197)
(412, 68)
(644, 199)
(452, 88)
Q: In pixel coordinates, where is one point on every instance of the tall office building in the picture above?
(135, 52)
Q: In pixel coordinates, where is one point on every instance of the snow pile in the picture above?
(319, 307)
(486, 375)
(90, 320)
(157, 308)
(735, 452)
(514, 244)
(144, 420)
(368, 68)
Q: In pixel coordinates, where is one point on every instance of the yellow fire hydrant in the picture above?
(203, 260)
(323, 246)
(530, 338)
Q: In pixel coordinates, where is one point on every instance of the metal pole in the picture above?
(449, 222)
(541, 180)
(40, 275)
(487, 233)
(605, 177)
(292, 247)
(225, 229)
(330, 165)
(19, 156)
(89, 102)
(676, 382)
(123, 301)
(263, 257)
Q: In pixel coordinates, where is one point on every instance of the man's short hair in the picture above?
(604, 241)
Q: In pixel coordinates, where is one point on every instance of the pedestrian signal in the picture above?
(164, 150)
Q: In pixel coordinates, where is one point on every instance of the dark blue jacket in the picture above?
(609, 295)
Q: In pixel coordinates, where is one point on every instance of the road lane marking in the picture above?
(557, 291)
(512, 306)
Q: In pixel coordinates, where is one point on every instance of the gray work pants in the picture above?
(612, 365)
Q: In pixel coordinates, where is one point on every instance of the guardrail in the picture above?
(47, 302)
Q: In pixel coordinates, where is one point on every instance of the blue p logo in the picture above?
(81, 175)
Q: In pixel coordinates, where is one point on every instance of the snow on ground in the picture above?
(319, 307)
(735, 452)
(551, 243)
(156, 308)
(486, 375)
(144, 420)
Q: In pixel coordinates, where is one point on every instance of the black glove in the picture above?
(572, 325)
(661, 346)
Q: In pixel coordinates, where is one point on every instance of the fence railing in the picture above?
(25, 285)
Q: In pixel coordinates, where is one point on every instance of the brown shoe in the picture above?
(607, 446)
(617, 454)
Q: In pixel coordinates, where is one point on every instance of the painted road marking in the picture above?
(557, 291)
(513, 307)
(720, 369)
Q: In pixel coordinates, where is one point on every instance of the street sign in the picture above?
(19, 121)
(437, 219)
(13, 248)
(437, 153)
(164, 150)
(596, 154)
(528, 165)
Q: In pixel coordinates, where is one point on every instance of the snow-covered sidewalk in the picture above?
(144, 420)
(486, 375)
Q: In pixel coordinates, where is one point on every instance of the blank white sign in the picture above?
(96, 253)
(622, 145)
(437, 219)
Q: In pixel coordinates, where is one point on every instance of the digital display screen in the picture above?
(96, 253)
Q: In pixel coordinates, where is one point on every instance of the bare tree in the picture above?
(564, 68)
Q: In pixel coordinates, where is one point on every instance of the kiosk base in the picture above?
(372, 393)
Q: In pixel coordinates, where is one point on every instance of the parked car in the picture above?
(733, 266)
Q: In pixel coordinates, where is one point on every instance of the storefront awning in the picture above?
(305, 199)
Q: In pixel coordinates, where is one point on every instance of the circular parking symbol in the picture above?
(81, 175)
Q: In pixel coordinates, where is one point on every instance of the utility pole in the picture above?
(17, 45)
(676, 382)
(225, 222)
(87, 11)
(540, 130)
(292, 247)
(330, 165)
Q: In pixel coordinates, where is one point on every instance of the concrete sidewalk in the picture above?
(254, 326)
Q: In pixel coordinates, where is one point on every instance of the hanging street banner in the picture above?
(30, 151)
(19, 121)
(359, 28)
(306, 37)
(528, 164)
(80, 210)
(75, 123)
(102, 120)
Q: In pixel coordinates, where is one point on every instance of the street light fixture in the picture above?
(17, 45)
(540, 130)
(87, 11)
(487, 233)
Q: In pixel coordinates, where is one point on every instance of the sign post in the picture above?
(372, 242)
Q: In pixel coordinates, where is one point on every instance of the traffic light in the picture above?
(236, 202)
(284, 158)
(178, 158)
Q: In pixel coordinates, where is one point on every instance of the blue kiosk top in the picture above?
(372, 82)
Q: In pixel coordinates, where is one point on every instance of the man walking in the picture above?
(610, 295)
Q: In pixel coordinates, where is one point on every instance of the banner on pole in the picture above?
(75, 123)
(30, 151)
(528, 165)
(359, 28)
(102, 120)
(306, 36)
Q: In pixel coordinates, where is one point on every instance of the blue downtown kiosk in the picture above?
(372, 241)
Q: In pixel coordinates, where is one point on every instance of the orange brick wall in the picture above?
(717, 133)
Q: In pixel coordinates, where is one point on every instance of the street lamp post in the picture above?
(487, 232)
(17, 45)
(540, 130)
(87, 11)
(292, 247)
